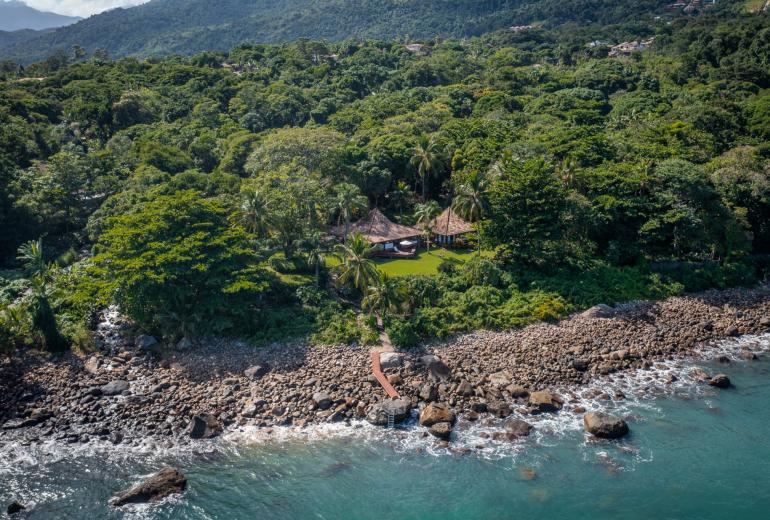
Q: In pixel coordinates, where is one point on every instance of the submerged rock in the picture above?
(167, 481)
(604, 425)
(14, 508)
(720, 381)
(378, 413)
(436, 413)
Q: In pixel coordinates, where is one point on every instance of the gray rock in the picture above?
(145, 342)
(428, 392)
(604, 425)
(391, 360)
(322, 400)
(599, 311)
(428, 359)
(720, 381)
(257, 371)
(441, 430)
(116, 387)
(517, 428)
(185, 344)
(204, 426)
(167, 481)
(439, 371)
(378, 413)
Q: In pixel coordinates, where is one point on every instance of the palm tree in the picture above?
(355, 268)
(470, 201)
(400, 197)
(316, 255)
(254, 213)
(426, 157)
(39, 308)
(349, 200)
(424, 214)
(383, 296)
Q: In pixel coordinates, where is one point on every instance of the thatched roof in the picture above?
(449, 223)
(377, 228)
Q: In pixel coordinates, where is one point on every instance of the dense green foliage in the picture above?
(198, 192)
(164, 27)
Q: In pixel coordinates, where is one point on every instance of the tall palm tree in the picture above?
(383, 296)
(349, 200)
(470, 201)
(316, 255)
(355, 269)
(426, 158)
(400, 197)
(254, 214)
(424, 214)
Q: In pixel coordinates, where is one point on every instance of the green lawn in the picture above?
(424, 263)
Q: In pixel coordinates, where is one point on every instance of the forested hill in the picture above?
(163, 27)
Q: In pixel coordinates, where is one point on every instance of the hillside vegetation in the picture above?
(196, 193)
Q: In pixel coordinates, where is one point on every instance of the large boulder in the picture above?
(720, 381)
(391, 360)
(116, 387)
(257, 371)
(543, 402)
(167, 481)
(378, 413)
(428, 392)
(517, 428)
(204, 426)
(436, 413)
(441, 430)
(604, 425)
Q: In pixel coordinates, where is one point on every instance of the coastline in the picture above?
(490, 374)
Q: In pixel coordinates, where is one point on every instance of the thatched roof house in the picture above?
(448, 226)
(378, 229)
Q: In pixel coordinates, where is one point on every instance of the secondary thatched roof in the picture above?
(377, 228)
(449, 224)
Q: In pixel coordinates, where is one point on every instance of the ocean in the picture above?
(694, 452)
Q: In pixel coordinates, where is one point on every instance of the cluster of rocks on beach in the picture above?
(137, 389)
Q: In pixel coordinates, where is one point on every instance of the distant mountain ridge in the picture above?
(163, 27)
(16, 16)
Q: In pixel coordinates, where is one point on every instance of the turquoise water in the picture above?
(694, 453)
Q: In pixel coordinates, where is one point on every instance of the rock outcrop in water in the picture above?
(167, 481)
(605, 426)
(720, 381)
(497, 373)
(398, 408)
(15, 508)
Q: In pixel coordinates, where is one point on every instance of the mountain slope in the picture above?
(15, 15)
(163, 27)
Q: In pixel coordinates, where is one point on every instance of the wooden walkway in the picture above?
(385, 346)
(377, 371)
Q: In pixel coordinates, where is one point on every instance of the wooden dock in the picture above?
(377, 371)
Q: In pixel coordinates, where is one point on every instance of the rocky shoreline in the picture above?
(135, 390)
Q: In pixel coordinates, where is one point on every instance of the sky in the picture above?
(82, 8)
